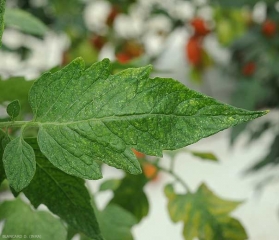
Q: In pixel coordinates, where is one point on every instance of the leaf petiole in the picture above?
(17, 124)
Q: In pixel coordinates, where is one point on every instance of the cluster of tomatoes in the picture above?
(125, 50)
(195, 52)
(194, 49)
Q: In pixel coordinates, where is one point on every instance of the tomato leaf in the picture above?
(64, 195)
(205, 216)
(130, 196)
(116, 223)
(205, 155)
(13, 109)
(110, 184)
(21, 220)
(88, 115)
(19, 163)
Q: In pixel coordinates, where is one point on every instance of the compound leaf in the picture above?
(19, 163)
(24, 22)
(64, 195)
(2, 12)
(21, 220)
(205, 216)
(88, 115)
(13, 109)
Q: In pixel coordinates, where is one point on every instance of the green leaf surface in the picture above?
(116, 223)
(19, 163)
(111, 184)
(24, 22)
(16, 88)
(13, 109)
(20, 219)
(88, 115)
(64, 195)
(3, 137)
(205, 156)
(2, 12)
(130, 196)
(205, 216)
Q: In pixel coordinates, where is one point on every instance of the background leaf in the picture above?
(64, 195)
(24, 22)
(111, 184)
(2, 11)
(20, 219)
(90, 114)
(272, 158)
(205, 155)
(116, 223)
(130, 196)
(19, 163)
(205, 216)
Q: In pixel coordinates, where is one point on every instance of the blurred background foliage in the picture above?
(133, 33)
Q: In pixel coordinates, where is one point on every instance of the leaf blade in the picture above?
(13, 109)
(50, 184)
(103, 116)
(24, 21)
(19, 163)
(20, 219)
(204, 215)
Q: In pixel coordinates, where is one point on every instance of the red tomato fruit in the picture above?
(249, 69)
(194, 51)
(200, 27)
(269, 28)
(123, 57)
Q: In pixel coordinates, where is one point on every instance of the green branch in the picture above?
(172, 173)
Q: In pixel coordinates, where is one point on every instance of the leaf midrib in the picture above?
(116, 117)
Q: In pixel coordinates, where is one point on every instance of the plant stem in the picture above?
(173, 174)
(14, 124)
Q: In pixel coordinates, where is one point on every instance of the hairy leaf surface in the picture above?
(89, 115)
(20, 219)
(205, 216)
(19, 163)
(65, 195)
